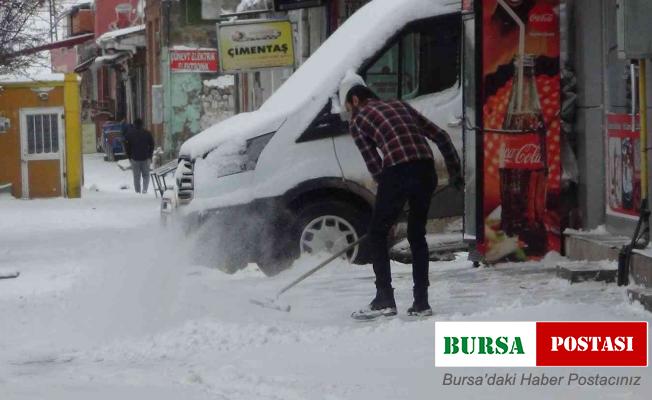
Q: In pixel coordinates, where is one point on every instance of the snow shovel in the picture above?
(272, 303)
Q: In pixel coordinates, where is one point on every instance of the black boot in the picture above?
(420, 307)
(383, 305)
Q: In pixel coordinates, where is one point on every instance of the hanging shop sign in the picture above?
(623, 165)
(521, 166)
(285, 5)
(193, 60)
(247, 46)
(117, 14)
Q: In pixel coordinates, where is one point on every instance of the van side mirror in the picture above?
(336, 109)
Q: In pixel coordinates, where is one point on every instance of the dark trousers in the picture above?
(414, 183)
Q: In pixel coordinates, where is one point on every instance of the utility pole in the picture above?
(52, 10)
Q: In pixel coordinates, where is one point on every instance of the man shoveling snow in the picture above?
(406, 173)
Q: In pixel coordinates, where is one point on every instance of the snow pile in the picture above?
(248, 5)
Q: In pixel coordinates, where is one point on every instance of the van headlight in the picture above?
(255, 147)
(246, 159)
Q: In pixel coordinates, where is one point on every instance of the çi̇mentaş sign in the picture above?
(247, 46)
(541, 344)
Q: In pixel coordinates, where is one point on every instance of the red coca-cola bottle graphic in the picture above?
(523, 164)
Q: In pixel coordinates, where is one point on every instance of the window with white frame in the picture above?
(42, 133)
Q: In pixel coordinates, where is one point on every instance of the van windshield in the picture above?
(358, 39)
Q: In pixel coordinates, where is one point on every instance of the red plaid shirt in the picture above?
(400, 132)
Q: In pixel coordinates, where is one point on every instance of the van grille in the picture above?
(186, 182)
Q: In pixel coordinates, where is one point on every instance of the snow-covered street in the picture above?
(110, 305)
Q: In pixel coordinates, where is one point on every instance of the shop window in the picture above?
(42, 134)
(424, 59)
(192, 10)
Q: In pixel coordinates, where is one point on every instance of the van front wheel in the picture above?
(320, 227)
(329, 227)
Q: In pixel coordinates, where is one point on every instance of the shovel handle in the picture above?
(320, 266)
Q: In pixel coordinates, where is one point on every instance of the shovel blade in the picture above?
(271, 304)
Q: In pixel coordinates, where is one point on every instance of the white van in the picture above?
(288, 178)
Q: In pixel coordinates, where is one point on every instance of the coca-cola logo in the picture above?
(543, 20)
(528, 155)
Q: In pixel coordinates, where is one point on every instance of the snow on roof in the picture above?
(188, 48)
(246, 5)
(74, 5)
(111, 35)
(358, 39)
(109, 58)
(23, 78)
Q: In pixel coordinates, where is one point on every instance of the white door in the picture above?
(42, 152)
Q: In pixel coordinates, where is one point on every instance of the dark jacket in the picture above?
(139, 143)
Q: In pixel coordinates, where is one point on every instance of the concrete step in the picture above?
(596, 247)
(582, 271)
(641, 295)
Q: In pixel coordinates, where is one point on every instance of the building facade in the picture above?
(608, 158)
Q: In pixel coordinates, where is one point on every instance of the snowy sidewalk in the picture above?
(110, 306)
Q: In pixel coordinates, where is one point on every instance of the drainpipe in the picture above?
(126, 78)
(642, 90)
(166, 81)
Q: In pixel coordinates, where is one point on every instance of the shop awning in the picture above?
(84, 65)
(122, 34)
(111, 58)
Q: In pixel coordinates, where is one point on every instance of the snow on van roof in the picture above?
(358, 39)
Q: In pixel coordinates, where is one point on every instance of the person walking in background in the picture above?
(139, 145)
(405, 174)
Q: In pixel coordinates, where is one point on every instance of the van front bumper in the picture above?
(243, 232)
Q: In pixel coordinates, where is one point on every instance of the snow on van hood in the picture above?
(234, 132)
(357, 40)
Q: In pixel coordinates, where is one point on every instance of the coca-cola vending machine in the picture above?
(512, 135)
